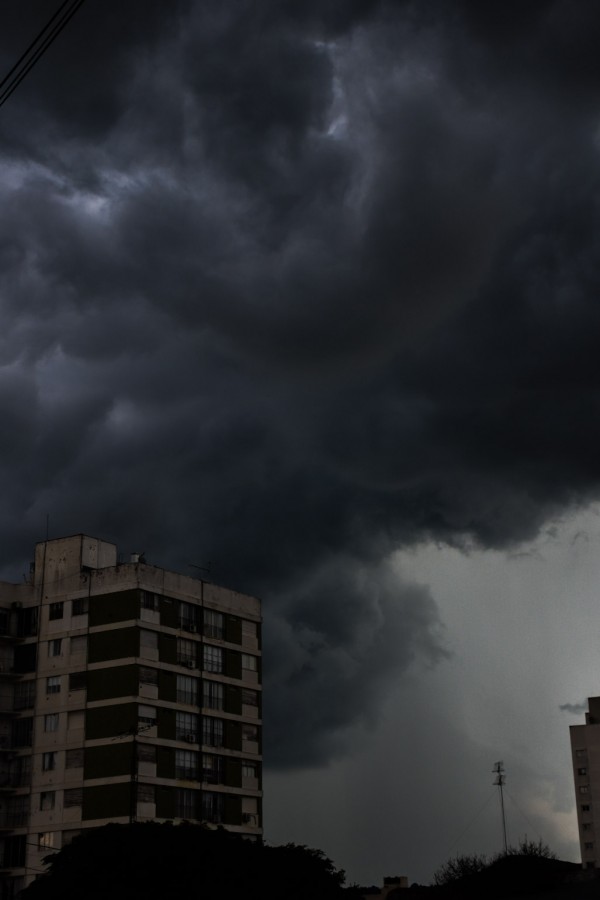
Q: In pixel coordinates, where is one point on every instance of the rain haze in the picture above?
(308, 293)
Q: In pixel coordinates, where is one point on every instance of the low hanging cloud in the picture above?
(575, 708)
(334, 646)
(287, 287)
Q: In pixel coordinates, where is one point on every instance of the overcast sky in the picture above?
(307, 292)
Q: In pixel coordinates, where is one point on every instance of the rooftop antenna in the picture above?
(499, 781)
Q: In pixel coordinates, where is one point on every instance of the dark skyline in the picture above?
(290, 288)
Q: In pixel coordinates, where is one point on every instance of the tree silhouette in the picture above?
(151, 862)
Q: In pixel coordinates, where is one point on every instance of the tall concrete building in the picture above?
(127, 693)
(585, 750)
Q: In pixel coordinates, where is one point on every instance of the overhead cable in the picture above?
(37, 48)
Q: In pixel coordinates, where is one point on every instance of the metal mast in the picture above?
(499, 781)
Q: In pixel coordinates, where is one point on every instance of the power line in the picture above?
(469, 825)
(527, 820)
(37, 48)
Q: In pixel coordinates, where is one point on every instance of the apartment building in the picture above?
(585, 750)
(127, 693)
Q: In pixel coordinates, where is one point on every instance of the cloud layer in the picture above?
(286, 287)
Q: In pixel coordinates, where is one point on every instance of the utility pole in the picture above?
(499, 781)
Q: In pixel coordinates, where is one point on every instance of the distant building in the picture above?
(127, 693)
(585, 750)
(393, 887)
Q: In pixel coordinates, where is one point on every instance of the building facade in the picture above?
(127, 693)
(585, 750)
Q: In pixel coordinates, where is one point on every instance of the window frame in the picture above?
(80, 606)
(56, 610)
(187, 690)
(213, 694)
(49, 761)
(213, 731)
(53, 684)
(51, 719)
(213, 659)
(47, 800)
(54, 647)
(186, 726)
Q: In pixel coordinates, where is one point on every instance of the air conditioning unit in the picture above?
(191, 627)
(16, 604)
(189, 663)
(191, 738)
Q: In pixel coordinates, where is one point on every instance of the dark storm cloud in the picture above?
(285, 287)
(335, 642)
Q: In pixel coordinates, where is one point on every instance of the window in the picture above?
(584, 789)
(46, 840)
(213, 768)
(27, 621)
(53, 684)
(186, 727)
(212, 695)
(186, 764)
(213, 659)
(186, 653)
(213, 624)
(187, 690)
(585, 807)
(22, 732)
(249, 812)
(56, 610)
(24, 697)
(146, 753)
(25, 658)
(149, 601)
(582, 770)
(148, 675)
(249, 662)
(249, 732)
(212, 731)
(74, 758)
(77, 681)
(146, 716)
(185, 803)
(582, 752)
(188, 616)
(47, 800)
(14, 854)
(48, 761)
(20, 771)
(589, 845)
(249, 698)
(249, 769)
(212, 807)
(73, 797)
(587, 826)
(51, 722)
(17, 811)
(54, 647)
(80, 606)
(145, 793)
